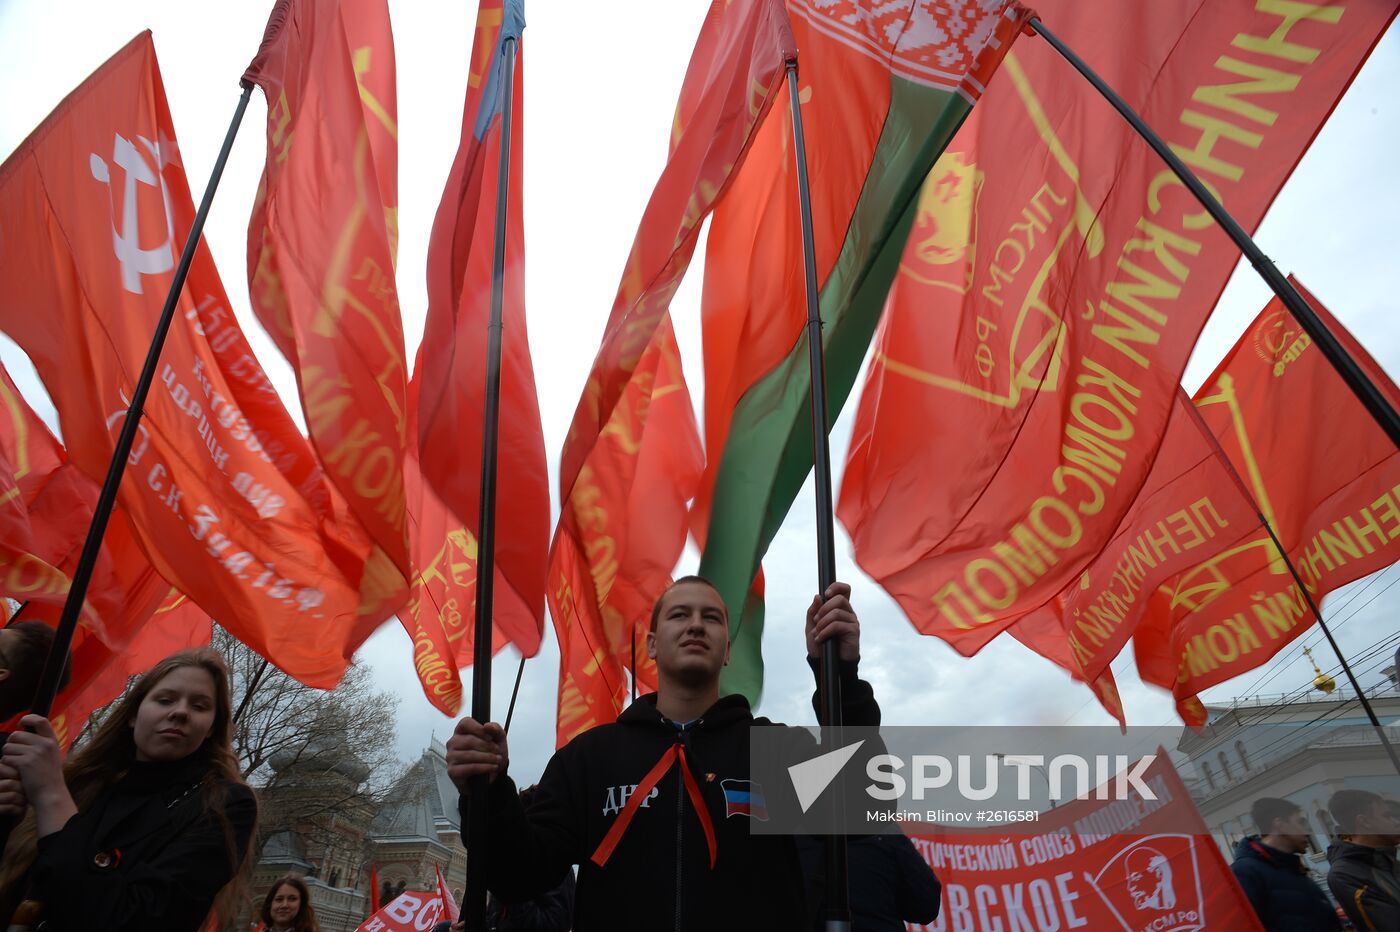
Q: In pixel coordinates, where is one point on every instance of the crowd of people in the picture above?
(1361, 875)
(149, 823)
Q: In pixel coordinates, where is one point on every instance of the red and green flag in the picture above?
(632, 457)
(883, 87)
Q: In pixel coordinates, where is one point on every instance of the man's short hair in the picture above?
(1268, 808)
(1346, 805)
(25, 663)
(656, 608)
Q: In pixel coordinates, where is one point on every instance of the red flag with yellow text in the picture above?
(1053, 286)
(221, 491)
(322, 242)
(630, 463)
(46, 505)
(1192, 506)
(439, 613)
(619, 538)
(449, 383)
(29, 456)
(1323, 473)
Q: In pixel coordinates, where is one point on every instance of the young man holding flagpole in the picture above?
(656, 807)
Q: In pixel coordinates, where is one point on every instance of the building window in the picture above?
(1225, 767)
(1244, 758)
(1210, 777)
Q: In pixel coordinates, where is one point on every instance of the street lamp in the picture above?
(1023, 760)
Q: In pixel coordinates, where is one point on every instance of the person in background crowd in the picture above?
(549, 912)
(890, 883)
(24, 646)
(147, 826)
(1362, 872)
(1273, 876)
(287, 907)
(656, 807)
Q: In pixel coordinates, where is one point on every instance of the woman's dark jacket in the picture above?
(145, 855)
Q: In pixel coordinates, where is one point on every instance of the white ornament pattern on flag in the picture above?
(932, 42)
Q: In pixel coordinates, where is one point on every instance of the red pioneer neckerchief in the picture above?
(675, 752)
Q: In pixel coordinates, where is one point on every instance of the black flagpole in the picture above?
(837, 908)
(474, 898)
(92, 546)
(1297, 581)
(510, 710)
(1357, 380)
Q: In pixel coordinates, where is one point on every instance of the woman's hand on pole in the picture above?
(34, 755)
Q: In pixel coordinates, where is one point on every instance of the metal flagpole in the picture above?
(837, 910)
(1357, 380)
(510, 710)
(474, 898)
(1346, 667)
(92, 546)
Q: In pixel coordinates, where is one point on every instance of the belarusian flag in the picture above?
(883, 87)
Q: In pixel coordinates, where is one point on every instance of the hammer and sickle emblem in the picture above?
(126, 229)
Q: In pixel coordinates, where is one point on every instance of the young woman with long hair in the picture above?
(287, 907)
(148, 824)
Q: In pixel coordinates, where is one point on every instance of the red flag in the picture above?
(1191, 507)
(1320, 469)
(618, 537)
(46, 505)
(1164, 871)
(439, 613)
(374, 888)
(413, 911)
(1053, 286)
(449, 382)
(29, 457)
(223, 494)
(321, 246)
(449, 905)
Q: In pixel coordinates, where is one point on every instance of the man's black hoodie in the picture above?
(659, 875)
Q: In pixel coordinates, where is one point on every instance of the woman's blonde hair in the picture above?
(108, 755)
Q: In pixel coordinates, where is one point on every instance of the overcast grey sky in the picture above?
(601, 84)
